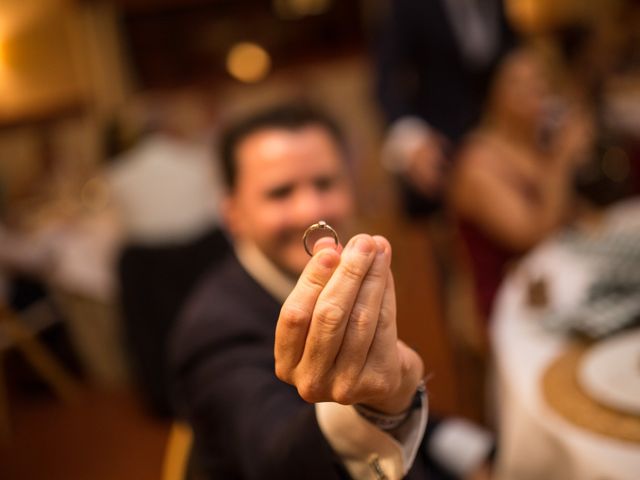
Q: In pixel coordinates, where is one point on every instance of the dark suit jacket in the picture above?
(421, 71)
(247, 423)
(155, 281)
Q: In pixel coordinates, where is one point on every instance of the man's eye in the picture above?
(324, 183)
(279, 192)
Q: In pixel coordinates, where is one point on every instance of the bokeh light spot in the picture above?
(248, 62)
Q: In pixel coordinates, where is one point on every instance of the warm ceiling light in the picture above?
(293, 9)
(248, 62)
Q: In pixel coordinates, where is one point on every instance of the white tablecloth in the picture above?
(84, 285)
(536, 442)
(77, 262)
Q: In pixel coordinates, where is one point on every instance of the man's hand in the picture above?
(336, 338)
(418, 153)
(425, 165)
(574, 138)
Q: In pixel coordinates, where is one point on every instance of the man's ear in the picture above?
(230, 215)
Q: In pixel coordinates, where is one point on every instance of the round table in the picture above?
(537, 442)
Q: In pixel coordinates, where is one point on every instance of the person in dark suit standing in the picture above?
(355, 406)
(434, 62)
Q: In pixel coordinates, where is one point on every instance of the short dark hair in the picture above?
(289, 116)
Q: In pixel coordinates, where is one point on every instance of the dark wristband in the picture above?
(388, 422)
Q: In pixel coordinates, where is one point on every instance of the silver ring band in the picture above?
(321, 225)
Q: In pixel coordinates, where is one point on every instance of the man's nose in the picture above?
(309, 208)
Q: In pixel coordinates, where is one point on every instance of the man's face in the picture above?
(287, 180)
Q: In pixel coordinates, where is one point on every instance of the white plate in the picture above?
(610, 372)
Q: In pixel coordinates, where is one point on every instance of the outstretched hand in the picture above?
(336, 338)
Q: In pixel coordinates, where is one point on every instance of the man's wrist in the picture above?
(391, 421)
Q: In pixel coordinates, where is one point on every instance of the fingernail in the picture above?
(363, 244)
(381, 245)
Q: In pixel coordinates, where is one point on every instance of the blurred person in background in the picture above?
(286, 169)
(167, 196)
(598, 62)
(434, 62)
(513, 182)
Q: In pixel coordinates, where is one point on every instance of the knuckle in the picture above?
(330, 316)
(313, 280)
(293, 317)
(379, 271)
(355, 269)
(344, 392)
(282, 371)
(389, 313)
(310, 391)
(361, 317)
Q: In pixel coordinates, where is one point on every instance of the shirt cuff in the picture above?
(366, 450)
(404, 137)
(460, 446)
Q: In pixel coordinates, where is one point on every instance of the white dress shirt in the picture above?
(166, 190)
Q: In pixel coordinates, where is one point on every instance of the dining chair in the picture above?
(176, 457)
(20, 331)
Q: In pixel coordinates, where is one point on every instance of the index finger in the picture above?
(296, 312)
